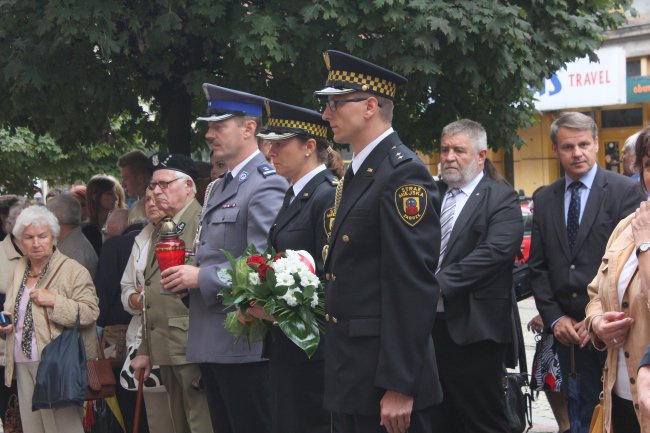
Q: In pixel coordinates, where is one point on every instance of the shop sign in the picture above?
(586, 84)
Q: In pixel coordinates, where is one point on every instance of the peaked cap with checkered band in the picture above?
(286, 121)
(347, 74)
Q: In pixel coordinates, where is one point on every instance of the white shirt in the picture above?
(622, 384)
(235, 171)
(463, 195)
(303, 181)
(461, 199)
(358, 159)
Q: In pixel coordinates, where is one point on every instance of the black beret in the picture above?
(173, 161)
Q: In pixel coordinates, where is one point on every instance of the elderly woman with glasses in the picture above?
(47, 292)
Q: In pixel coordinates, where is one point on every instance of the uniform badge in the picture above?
(411, 203)
(243, 176)
(328, 221)
(154, 160)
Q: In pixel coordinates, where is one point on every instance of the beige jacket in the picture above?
(603, 292)
(74, 291)
(8, 260)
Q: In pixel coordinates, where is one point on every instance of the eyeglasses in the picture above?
(332, 103)
(162, 184)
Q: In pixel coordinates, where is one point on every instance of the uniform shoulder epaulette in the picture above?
(333, 180)
(399, 155)
(266, 170)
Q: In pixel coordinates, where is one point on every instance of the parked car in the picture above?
(527, 216)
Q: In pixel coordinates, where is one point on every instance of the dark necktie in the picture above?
(287, 198)
(227, 180)
(573, 217)
(349, 175)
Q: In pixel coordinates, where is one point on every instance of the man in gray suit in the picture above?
(239, 209)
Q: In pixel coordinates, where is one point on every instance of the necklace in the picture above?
(32, 275)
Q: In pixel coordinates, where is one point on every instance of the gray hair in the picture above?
(473, 130)
(66, 208)
(117, 222)
(573, 120)
(14, 211)
(185, 176)
(630, 143)
(37, 216)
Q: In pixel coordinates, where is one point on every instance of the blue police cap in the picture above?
(224, 103)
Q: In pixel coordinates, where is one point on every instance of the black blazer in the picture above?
(476, 273)
(381, 292)
(112, 262)
(304, 225)
(559, 276)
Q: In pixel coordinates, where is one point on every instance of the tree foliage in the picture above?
(70, 67)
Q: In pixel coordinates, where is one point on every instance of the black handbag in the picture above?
(518, 399)
(62, 375)
(521, 280)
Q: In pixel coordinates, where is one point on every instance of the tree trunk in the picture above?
(509, 166)
(176, 114)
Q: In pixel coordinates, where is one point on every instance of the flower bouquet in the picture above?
(285, 284)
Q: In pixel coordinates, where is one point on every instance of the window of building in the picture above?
(633, 68)
(622, 118)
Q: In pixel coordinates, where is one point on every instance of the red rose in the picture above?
(262, 271)
(255, 261)
(279, 256)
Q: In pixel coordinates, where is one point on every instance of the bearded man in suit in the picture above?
(481, 232)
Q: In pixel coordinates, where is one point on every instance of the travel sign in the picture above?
(586, 84)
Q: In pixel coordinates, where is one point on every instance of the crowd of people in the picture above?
(417, 274)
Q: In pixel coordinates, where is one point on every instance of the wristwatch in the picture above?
(645, 246)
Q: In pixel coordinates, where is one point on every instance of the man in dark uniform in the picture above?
(380, 370)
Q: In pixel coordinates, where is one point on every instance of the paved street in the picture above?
(543, 420)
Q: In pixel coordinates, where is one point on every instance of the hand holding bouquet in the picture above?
(285, 285)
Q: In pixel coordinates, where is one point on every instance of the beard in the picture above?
(459, 177)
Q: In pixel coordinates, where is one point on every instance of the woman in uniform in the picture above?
(301, 153)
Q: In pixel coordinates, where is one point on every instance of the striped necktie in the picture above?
(447, 222)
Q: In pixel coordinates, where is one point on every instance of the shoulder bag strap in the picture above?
(47, 318)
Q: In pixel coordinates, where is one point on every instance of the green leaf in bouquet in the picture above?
(260, 291)
(255, 331)
(279, 290)
(308, 292)
(230, 257)
(242, 270)
(250, 250)
(304, 336)
(270, 306)
(305, 314)
(270, 278)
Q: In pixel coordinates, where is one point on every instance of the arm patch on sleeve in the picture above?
(411, 203)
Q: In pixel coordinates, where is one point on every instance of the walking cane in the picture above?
(138, 403)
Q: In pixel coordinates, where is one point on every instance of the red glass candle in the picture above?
(170, 249)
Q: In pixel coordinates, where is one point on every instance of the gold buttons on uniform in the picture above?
(332, 319)
(346, 238)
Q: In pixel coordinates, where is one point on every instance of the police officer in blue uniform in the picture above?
(380, 369)
(238, 211)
